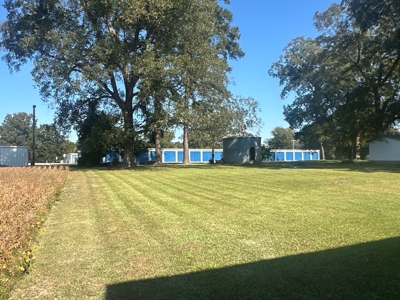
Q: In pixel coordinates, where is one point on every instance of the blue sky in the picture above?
(266, 27)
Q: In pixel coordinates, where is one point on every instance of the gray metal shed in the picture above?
(14, 156)
(242, 148)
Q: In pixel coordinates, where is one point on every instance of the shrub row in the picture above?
(25, 197)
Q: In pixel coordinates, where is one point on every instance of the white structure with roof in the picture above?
(385, 149)
(13, 156)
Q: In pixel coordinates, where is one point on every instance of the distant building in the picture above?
(293, 155)
(71, 158)
(385, 149)
(242, 148)
(175, 155)
(13, 156)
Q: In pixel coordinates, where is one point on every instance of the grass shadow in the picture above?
(363, 271)
(359, 166)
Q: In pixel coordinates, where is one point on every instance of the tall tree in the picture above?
(314, 136)
(98, 134)
(344, 80)
(16, 130)
(219, 117)
(102, 50)
(282, 138)
(201, 70)
(156, 92)
(51, 144)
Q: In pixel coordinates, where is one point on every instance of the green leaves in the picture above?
(345, 80)
(16, 130)
(111, 52)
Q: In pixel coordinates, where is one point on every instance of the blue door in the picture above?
(180, 156)
(315, 156)
(152, 155)
(289, 155)
(298, 156)
(195, 156)
(169, 156)
(143, 157)
(206, 156)
(280, 156)
(217, 155)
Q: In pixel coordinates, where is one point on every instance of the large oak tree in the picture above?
(102, 50)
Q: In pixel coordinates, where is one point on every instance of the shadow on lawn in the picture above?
(363, 166)
(364, 271)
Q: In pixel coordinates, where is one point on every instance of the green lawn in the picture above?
(275, 231)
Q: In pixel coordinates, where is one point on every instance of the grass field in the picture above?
(276, 231)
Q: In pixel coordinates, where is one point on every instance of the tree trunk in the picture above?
(158, 146)
(212, 153)
(186, 126)
(322, 151)
(186, 144)
(129, 158)
(357, 148)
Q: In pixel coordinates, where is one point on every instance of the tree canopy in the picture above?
(282, 138)
(109, 52)
(50, 142)
(345, 80)
(219, 117)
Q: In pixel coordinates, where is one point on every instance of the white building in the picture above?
(385, 149)
(14, 156)
(71, 158)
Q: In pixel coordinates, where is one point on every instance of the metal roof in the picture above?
(244, 133)
(386, 136)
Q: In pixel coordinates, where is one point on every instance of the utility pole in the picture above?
(33, 137)
(293, 144)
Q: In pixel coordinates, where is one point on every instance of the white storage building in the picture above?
(13, 156)
(385, 149)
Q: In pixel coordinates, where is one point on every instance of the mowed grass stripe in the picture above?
(130, 225)
(179, 239)
(302, 214)
(195, 229)
(319, 203)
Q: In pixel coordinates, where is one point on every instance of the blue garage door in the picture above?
(169, 156)
(180, 156)
(307, 155)
(206, 156)
(152, 155)
(217, 155)
(142, 157)
(298, 156)
(195, 156)
(315, 156)
(280, 156)
(289, 155)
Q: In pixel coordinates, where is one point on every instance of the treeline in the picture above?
(346, 80)
(50, 142)
(120, 70)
